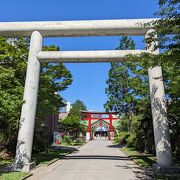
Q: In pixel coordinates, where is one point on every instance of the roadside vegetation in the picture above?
(13, 62)
(143, 160)
(54, 78)
(12, 175)
(128, 86)
(72, 126)
(52, 154)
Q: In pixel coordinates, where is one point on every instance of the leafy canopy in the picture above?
(13, 63)
(72, 123)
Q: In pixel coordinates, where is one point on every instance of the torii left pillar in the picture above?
(88, 133)
(28, 112)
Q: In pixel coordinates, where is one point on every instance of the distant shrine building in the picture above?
(100, 124)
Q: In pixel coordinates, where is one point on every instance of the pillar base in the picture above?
(88, 136)
(28, 166)
(111, 135)
(165, 170)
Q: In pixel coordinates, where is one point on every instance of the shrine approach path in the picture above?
(97, 160)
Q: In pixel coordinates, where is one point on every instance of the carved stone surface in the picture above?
(28, 113)
(159, 113)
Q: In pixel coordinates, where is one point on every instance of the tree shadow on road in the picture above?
(140, 173)
(116, 146)
(92, 157)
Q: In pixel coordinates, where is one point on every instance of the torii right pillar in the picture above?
(88, 133)
(159, 113)
(111, 130)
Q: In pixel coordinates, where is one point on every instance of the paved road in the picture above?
(97, 160)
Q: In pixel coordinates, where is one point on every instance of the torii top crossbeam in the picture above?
(96, 112)
(118, 27)
(86, 115)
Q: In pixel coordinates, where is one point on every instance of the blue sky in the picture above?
(89, 79)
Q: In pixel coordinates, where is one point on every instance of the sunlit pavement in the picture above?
(97, 160)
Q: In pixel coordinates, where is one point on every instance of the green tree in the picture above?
(54, 78)
(129, 95)
(119, 91)
(168, 30)
(13, 54)
(77, 107)
(72, 123)
(169, 59)
(138, 79)
(127, 85)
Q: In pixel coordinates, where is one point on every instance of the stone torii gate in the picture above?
(38, 30)
(88, 116)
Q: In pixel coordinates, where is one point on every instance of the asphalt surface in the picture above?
(97, 160)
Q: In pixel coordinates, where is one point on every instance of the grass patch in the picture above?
(54, 153)
(143, 160)
(12, 175)
(4, 162)
(47, 157)
(9, 175)
(40, 158)
(73, 143)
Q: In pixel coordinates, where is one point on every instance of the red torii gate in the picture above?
(88, 116)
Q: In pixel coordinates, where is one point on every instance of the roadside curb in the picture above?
(53, 161)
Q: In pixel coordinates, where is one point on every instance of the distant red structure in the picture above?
(89, 116)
